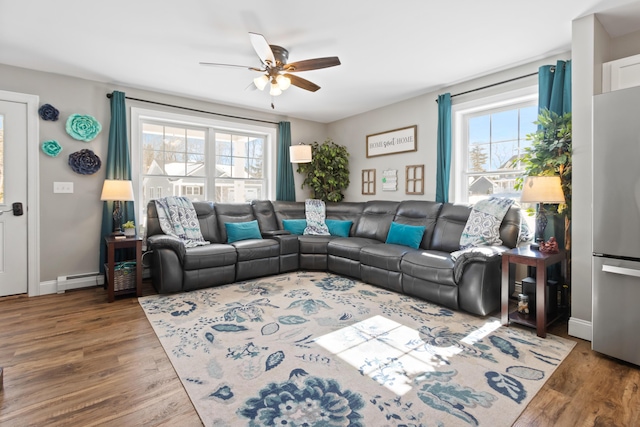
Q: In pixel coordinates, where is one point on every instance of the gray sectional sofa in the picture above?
(428, 272)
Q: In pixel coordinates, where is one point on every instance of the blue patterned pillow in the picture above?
(338, 227)
(406, 235)
(294, 226)
(242, 231)
(483, 225)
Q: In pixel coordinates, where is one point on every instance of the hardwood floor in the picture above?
(74, 359)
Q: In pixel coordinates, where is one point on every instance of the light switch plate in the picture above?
(63, 187)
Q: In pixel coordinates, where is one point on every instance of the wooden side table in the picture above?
(539, 260)
(112, 245)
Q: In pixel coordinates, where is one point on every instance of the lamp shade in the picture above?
(300, 153)
(542, 189)
(117, 190)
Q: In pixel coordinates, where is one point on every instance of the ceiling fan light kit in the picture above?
(276, 70)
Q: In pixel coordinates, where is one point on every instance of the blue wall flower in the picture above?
(51, 148)
(83, 128)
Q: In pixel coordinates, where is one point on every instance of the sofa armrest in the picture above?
(267, 234)
(476, 254)
(163, 241)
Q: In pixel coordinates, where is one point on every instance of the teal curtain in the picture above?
(443, 168)
(285, 185)
(118, 166)
(554, 87)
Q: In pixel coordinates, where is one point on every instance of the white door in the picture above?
(13, 189)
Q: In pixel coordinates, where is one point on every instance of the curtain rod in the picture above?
(495, 84)
(194, 109)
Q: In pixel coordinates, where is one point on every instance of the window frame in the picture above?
(211, 126)
(461, 113)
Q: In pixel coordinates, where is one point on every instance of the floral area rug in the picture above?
(316, 349)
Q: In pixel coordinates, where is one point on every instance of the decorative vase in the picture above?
(130, 232)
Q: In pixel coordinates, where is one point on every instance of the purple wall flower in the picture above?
(48, 112)
(84, 162)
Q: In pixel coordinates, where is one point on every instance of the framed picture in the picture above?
(415, 179)
(368, 181)
(392, 142)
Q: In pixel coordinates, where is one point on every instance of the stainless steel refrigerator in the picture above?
(616, 224)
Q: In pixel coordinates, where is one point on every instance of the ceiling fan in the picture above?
(276, 70)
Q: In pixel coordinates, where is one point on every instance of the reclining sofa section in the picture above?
(426, 272)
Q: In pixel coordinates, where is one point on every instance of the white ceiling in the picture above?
(390, 51)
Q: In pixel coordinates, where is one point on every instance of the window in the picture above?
(490, 139)
(198, 158)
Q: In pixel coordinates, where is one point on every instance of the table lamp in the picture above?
(300, 153)
(541, 190)
(116, 191)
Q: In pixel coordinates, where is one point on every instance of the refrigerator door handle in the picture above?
(620, 270)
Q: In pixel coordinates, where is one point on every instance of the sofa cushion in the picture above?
(294, 226)
(375, 220)
(256, 249)
(214, 255)
(242, 231)
(432, 266)
(314, 244)
(338, 227)
(349, 247)
(483, 225)
(386, 257)
(407, 235)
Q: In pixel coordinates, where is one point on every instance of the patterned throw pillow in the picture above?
(483, 225)
(315, 212)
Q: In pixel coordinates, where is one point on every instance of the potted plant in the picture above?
(328, 173)
(550, 154)
(129, 228)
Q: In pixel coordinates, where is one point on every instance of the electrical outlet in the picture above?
(63, 187)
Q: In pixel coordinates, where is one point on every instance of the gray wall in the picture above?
(70, 223)
(423, 112)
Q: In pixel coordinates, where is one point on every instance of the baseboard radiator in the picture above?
(77, 281)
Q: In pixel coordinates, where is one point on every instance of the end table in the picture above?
(112, 245)
(540, 260)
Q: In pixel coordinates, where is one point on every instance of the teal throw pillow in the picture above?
(242, 231)
(406, 235)
(338, 227)
(294, 226)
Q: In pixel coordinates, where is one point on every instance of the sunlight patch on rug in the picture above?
(313, 348)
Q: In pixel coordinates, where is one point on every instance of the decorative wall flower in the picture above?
(83, 128)
(84, 162)
(48, 112)
(51, 148)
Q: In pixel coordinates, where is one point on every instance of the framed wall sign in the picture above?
(392, 142)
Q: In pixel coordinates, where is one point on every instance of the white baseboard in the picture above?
(65, 283)
(580, 329)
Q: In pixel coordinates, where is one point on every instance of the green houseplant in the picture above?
(328, 173)
(129, 228)
(550, 154)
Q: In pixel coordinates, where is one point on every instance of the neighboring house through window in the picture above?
(199, 158)
(489, 141)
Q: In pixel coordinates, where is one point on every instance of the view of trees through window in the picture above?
(495, 144)
(201, 163)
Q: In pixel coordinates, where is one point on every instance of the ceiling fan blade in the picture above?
(313, 64)
(252, 86)
(302, 83)
(262, 48)
(214, 64)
